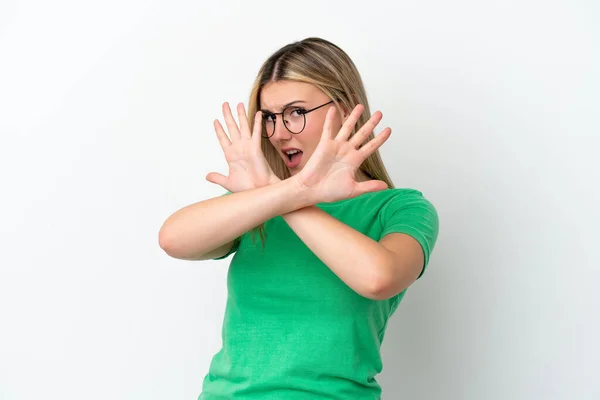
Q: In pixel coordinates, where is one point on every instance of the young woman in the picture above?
(325, 247)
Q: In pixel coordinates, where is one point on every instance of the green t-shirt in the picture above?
(293, 329)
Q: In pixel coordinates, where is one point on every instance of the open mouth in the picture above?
(294, 154)
(294, 157)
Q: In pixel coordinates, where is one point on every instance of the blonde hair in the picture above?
(325, 65)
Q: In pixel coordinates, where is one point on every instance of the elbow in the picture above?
(170, 243)
(179, 246)
(386, 283)
(380, 290)
(167, 241)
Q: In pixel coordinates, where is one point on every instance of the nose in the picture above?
(281, 133)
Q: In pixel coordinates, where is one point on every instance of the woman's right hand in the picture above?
(248, 168)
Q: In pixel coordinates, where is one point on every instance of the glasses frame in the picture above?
(263, 134)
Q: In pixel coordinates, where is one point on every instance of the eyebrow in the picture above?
(286, 105)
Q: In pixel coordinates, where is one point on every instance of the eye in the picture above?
(296, 112)
(268, 117)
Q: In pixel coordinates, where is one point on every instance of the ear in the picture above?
(345, 113)
(345, 110)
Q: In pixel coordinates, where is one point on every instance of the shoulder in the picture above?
(404, 197)
(390, 200)
(409, 207)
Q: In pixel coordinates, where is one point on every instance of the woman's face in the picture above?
(276, 96)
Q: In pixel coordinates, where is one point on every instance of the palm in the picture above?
(248, 168)
(330, 173)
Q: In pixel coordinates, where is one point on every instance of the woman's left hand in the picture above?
(330, 173)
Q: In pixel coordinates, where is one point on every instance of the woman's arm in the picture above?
(210, 225)
(376, 270)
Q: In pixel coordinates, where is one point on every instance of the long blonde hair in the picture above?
(325, 65)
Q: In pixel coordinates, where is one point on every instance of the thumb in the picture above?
(371, 186)
(218, 179)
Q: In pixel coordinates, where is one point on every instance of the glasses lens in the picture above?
(268, 125)
(293, 118)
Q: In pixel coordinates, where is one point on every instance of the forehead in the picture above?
(275, 95)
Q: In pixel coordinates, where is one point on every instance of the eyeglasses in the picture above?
(293, 117)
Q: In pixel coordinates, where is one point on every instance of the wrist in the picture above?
(274, 179)
(303, 193)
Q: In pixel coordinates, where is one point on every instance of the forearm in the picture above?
(206, 225)
(359, 261)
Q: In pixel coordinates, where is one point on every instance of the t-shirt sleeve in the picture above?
(236, 242)
(414, 215)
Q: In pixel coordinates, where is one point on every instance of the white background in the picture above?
(106, 113)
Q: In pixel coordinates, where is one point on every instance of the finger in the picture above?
(327, 134)
(375, 143)
(350, 122)
(232, 127)
(257, 131)
(244, 129)
(362, 134)
(370, 186)
(221, 135)
(218, 179)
